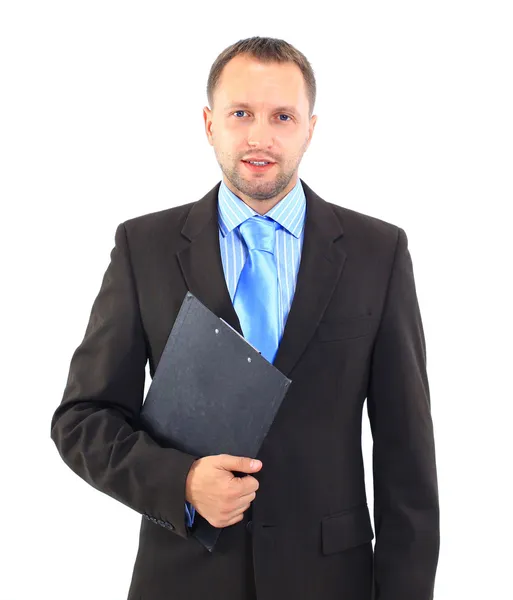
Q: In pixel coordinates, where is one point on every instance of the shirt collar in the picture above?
(289, 212)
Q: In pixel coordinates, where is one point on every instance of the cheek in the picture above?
(226, 144)
(290, 141)
(229, 138)
(232, 129)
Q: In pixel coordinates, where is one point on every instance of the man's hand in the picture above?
(218, 495)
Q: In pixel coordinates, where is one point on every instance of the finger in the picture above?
(236, 520)
(248, 497)
(239, 511)
(247, 484)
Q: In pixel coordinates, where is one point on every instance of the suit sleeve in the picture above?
(406, 508)
(95, 425)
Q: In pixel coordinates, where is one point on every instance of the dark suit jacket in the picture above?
(354, 332)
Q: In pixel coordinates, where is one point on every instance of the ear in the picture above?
(311, 127)
(313, 122)
(207, 117)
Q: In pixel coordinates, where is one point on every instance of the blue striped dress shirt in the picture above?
(290, 214)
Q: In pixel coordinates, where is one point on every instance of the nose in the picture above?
(260, 134)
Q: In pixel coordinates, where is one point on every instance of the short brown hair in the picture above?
(264, 49)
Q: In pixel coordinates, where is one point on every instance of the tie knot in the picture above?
(258, 233)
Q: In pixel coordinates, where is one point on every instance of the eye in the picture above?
(283, 115)
(239, 111)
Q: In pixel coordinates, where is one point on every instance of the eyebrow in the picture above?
(283, 108)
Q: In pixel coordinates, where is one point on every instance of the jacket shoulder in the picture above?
(169, 220)
(358, 223)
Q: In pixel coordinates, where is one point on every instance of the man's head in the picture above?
(262, 94)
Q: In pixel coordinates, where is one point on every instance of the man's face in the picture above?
(260, 111)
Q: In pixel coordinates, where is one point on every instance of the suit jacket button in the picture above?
(249, 526)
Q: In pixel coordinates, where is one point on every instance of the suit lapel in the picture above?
(320, 267)
(201, 261)
(319, 270)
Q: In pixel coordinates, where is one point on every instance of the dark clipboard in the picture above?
(212, 393)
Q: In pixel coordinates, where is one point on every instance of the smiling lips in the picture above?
(258, 167)
(257, 159)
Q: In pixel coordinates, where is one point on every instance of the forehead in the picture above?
(247, 80)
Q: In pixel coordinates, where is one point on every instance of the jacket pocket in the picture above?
(346, 529)
(347, 328)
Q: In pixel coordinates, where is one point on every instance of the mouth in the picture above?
(258, 168)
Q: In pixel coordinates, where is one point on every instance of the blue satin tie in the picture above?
(256, 296)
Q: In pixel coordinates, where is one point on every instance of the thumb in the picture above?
(239, 463)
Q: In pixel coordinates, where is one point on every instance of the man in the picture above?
(330, 295)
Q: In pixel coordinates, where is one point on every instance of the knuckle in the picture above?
(221, 520)
(232, 494)
(252, 489)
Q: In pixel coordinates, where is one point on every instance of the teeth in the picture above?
(258, 163)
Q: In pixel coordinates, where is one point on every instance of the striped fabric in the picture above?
(290, 214)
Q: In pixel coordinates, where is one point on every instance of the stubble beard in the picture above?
(254, 187)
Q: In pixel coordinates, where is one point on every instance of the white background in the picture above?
(101, 120)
